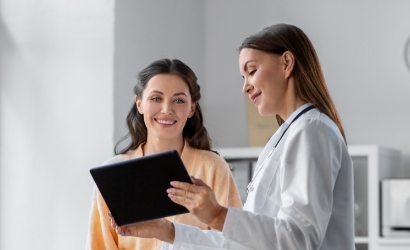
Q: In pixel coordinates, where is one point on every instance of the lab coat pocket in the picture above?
(263, 187)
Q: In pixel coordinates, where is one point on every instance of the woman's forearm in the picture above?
(219, 221)
(167, 233)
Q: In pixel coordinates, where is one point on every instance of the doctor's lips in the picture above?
(254, 96)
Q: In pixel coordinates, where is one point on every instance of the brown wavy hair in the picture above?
(194, 130)
(309, 79)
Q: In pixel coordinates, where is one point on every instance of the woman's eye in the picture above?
(179, 101)
(252, 72)
(155, 99)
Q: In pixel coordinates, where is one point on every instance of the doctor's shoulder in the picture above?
(316, 123)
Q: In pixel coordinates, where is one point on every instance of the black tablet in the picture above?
(135, 190)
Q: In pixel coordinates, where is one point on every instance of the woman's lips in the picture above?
(254, 97)
(165, 121)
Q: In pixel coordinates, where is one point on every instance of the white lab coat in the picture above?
(302, 197)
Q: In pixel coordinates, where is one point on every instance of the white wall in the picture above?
(56, 93)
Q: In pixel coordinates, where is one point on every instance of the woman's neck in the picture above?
(291, 100)
(153, 146)
(291, 107)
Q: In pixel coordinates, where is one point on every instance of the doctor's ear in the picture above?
(138, 104)
(288, 61)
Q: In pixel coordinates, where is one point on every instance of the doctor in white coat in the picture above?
(301, 194)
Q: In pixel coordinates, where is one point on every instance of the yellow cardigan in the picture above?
(202, 164)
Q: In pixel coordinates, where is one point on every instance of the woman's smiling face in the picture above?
(166, 104)
(264, 80)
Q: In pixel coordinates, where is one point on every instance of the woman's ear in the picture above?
(288, 61)
(138, 104)
(193, 105)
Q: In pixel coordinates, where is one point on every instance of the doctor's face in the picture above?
(264, 80)
(166, 105)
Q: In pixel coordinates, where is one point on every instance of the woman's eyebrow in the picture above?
(157, 92)
(162, 93)
(245, 66)
(180, 93)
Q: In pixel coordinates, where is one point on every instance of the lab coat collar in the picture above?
(295, 113)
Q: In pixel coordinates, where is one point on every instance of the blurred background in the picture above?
(67, 69)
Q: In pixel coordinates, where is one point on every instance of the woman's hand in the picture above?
(161, 229)
(200, 200)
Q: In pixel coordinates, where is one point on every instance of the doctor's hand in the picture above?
(161, 229)
(200, 200)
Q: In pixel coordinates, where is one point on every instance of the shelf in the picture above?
(361, 240)
(244, 153)
(395, 242)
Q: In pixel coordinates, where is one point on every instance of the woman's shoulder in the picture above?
(118, 158)
(207, 156)
(207, 165)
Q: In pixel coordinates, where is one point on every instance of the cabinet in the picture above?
(371, 164)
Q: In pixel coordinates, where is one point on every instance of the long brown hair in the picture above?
(194, 130)
(309, 80)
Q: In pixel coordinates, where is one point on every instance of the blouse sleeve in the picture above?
(100, 233)
(223, 184)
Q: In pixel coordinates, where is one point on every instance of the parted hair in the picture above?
(310, 83)
(194, 131)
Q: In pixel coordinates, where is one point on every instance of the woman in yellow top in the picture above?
(166, 115)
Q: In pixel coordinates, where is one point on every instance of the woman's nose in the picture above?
(246, 87)
(167, 108)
